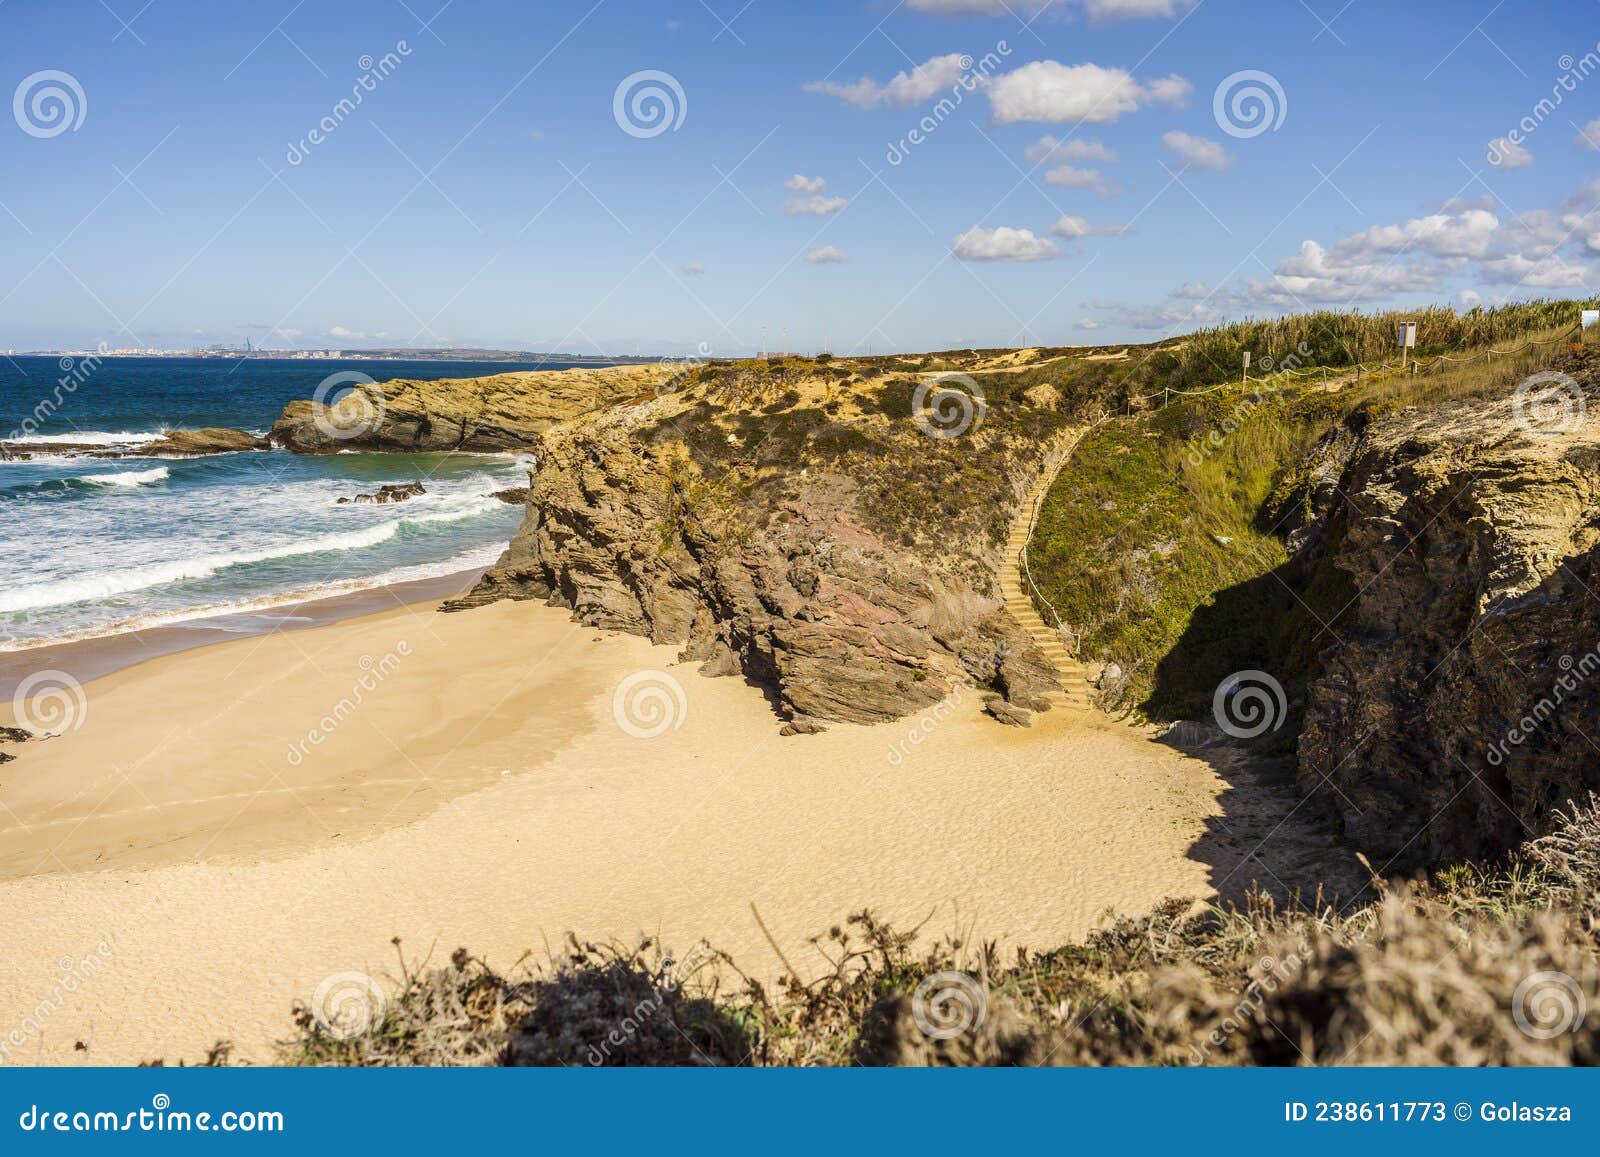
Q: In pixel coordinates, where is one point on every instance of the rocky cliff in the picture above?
(1460, 706)
(502, 412)
(795, 523)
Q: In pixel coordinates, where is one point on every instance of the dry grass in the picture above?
(1479, 966)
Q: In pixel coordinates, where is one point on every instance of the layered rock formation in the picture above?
(173, 444)
(211, 440)
(800, 530)
(492, 414)
(1461, 706)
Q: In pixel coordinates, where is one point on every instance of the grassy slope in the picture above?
(1162, 540)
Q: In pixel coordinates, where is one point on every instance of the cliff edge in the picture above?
(809, 526)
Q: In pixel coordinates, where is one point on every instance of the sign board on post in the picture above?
(1246, 377)
(1408, 339)
(1591, 325)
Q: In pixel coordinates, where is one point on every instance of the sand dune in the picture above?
(483, 793)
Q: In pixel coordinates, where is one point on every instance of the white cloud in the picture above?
(1072, 177)
(1056, 93)
(1444, 235)
(1549, 272)
(1002, 244)
(1098, 11)
(906, 88)
(1457, 253)
(1199, 152)
(1101, 11)
(341, 331)
(1088, 323)
(803, 184)
(1589, 136)
(1507, 154)
(1047, 148)
(1074, 227)
(827, 255)
(1170, 317)
(814, 206)
(693, 268)
(1316, 274)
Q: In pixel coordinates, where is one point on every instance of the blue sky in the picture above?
(485, 192)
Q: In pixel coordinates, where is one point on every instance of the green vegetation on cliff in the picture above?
(1167, 541)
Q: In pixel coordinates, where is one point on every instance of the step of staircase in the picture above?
(1072, 674)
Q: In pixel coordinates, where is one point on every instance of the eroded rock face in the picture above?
(768, 562)
(1462, 706)
(489, 415)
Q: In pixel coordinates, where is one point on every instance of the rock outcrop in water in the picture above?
(386, 494)
(795, 526)
(211, 440)
(172, 444)
(492, 414)
(1461, 707)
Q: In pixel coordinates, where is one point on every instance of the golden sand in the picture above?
(471, 785)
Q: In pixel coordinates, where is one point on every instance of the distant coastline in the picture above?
(384, 354)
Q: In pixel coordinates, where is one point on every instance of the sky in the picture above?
(718, 177)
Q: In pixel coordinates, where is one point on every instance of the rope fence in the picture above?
(1357, 371)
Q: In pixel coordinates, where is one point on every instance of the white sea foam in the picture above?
(64, 592)
(130, 478)
(469, 560)
(88, 438)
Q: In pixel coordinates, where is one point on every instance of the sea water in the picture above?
(92, 546)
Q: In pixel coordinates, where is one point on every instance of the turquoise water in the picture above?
(96, 546)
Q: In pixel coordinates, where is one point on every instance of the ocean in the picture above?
(92, 547)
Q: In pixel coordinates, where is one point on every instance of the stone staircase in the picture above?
(1014, 589)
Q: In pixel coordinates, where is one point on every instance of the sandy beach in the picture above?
(214, 862)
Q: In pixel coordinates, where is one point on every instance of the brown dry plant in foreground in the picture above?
(1478, 966)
